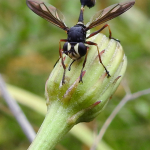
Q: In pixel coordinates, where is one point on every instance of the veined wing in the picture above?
(109, 13)
(48, 12)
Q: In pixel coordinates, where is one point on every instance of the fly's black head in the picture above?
(74, 50)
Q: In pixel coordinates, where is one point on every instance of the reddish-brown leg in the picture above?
(83, 66)
(100, 60)
(62, 61)
(96, 32)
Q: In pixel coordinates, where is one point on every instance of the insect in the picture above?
(74, 45)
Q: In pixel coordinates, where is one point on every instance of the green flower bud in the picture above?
(74, 101)
(86, 100)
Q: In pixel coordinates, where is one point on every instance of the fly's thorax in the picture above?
(74, 50)
(76, 33)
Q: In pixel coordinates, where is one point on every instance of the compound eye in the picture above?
(82, 49)
(65, 47)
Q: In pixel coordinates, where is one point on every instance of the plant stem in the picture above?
(54, 127)
(17, 112)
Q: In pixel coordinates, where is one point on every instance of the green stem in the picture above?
(54, 127)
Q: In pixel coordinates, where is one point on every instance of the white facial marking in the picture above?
(69, 46)
(74, 54)
(76, 48)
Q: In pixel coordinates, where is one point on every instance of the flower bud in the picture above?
(84, 101)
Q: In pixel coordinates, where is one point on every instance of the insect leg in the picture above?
(83, 66)
(62, 61)
(100, 60)
(71, 65)
(56, 62)
(96, 32)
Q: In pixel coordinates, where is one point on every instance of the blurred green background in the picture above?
(29, 49)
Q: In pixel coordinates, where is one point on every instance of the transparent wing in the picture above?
(109, 13)
(48, 12)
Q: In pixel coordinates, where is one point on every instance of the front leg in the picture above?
(69, 68)
(56, 62)
(61, 57)
(83, 65)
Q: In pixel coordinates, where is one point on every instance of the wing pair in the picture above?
(51, 14)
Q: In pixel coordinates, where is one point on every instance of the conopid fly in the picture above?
(74, 45)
